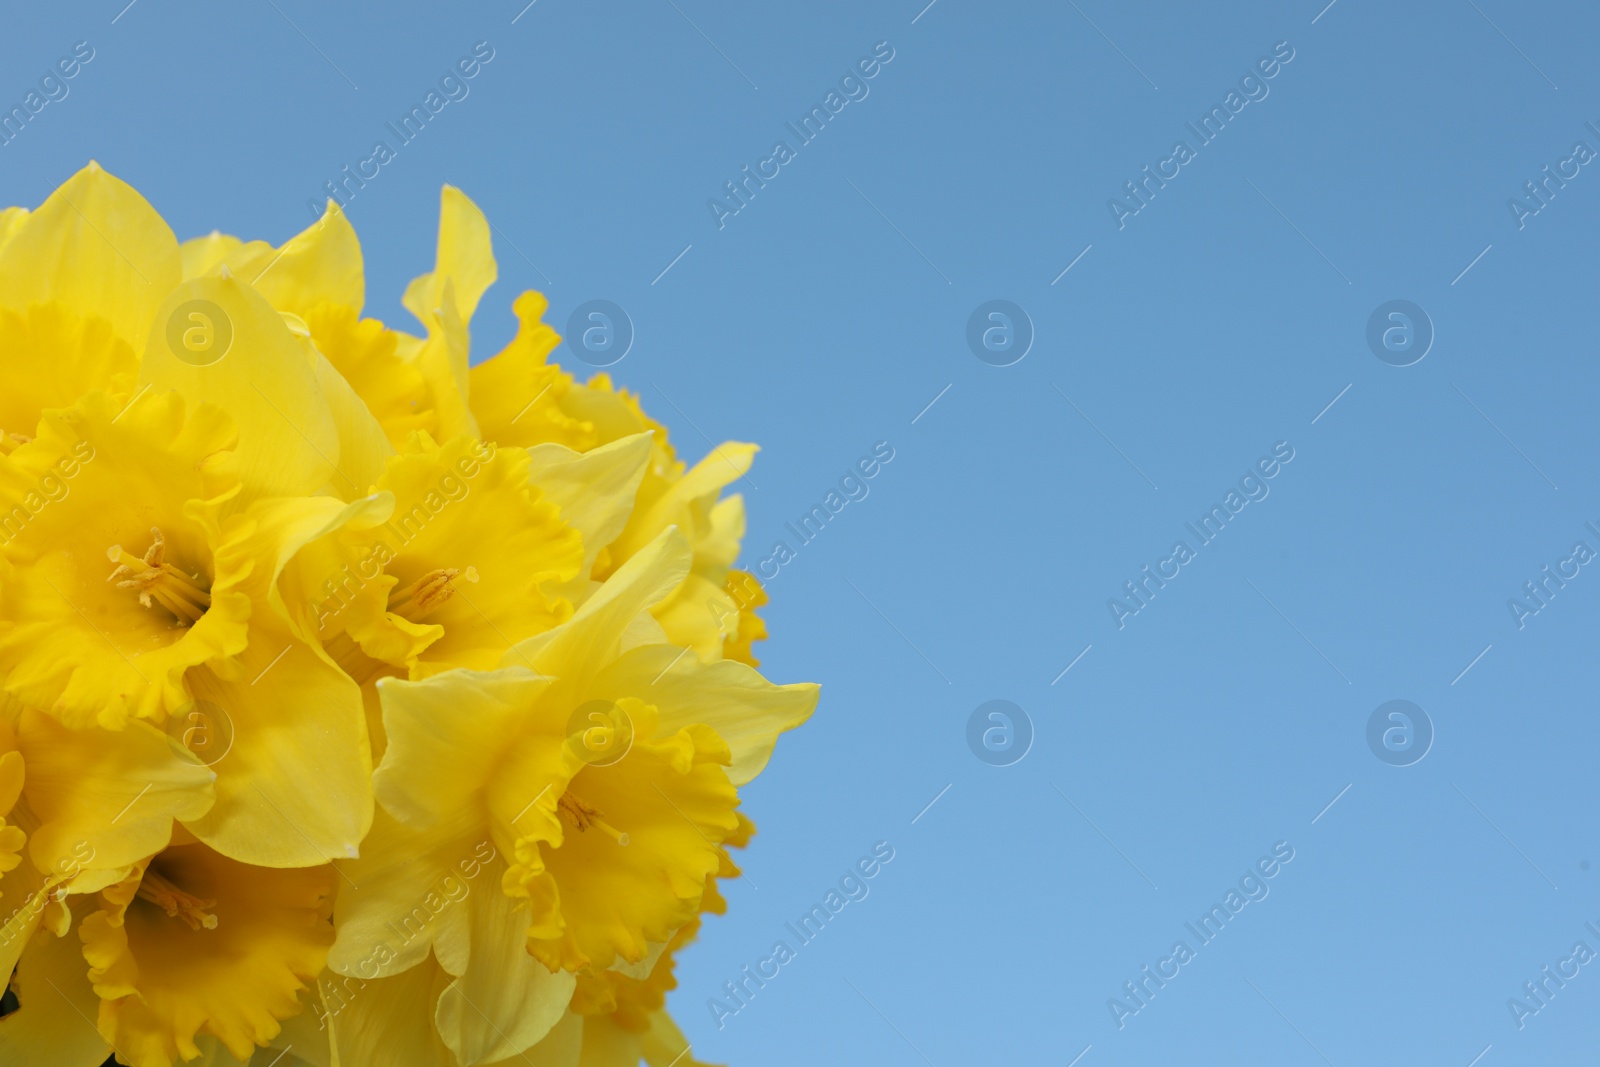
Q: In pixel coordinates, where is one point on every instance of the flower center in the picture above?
(429, 593)
(175, 902)
(10, 442)
(159, 582)
(579, 815)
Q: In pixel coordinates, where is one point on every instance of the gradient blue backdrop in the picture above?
(1220, 320)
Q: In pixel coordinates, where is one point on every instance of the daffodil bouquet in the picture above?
(360, 706)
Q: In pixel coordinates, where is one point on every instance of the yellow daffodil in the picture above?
(191, 940)
(114, 577)
(519, 397)
(251, 541)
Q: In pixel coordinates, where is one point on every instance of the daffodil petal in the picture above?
(73, 641)
(282, 528)
(320, 264)
(97, 247)
(594, 489)
(106, 798)
(403, 895)
(203, 255)
(606, 1044)
(50, 357)
(439, 729)
(389, 1020)
(465, 257)
(51, 1026)
(519, 397)
(442, 361)
(745, 709)
(364, 447)
(294, 789)
(593, 634)
(689, 499)
(506, 1002)
(288, 443)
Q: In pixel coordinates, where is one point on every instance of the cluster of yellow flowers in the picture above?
(357, 705)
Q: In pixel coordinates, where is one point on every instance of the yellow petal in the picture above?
(203, 255)
(49, 358)
(13, 773)
(303, 1041)
(745, 709)
(264, 378)
(387, 1021)
(52, 1026)
(593, 489)
(364, 445)
(442, 361)
(606, 1044)
(403, 895)
(281, 530)
(506, 1002)
(96, 247)
(688, 500)
(746, 594)
(666, 806)
(11, 220)
(593, 636)
(321, 264)
(465, 256)
(294, 789)
(105, 798)
(367, 355)
(520, 398)
(439, 730)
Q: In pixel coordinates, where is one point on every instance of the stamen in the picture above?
(428, 593)
(175, 902)
(579, 815)
(159, 582)
(10, 442)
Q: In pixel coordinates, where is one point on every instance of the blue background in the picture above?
(1219, 320)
